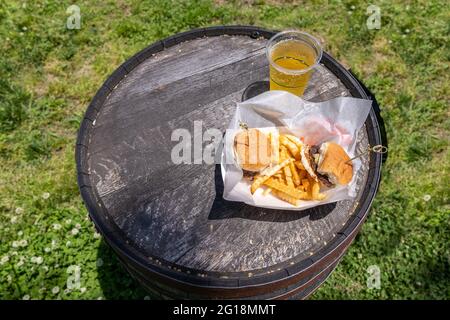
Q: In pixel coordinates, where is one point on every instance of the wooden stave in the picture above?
(175, 290)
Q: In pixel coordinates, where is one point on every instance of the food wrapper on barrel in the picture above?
(291, 121)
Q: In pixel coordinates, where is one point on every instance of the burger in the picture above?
(327, 163)
(253, 150)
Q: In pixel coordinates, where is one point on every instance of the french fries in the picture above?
(292, 147)
(315, 191)
(286, 169)
(299, 165)
(283, 196)
(295, 140)
(266, 174)
(305, 184)
(295, 175)
(289, 190)
(286, 178)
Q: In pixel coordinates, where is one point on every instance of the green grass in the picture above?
(49, 74)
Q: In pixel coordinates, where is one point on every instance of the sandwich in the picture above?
(328, 164)
(253, 150)
(289, 169)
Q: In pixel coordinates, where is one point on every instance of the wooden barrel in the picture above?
(168, 223)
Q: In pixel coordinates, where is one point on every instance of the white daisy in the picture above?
(68, 243)
(47, 249)
(13, 219)
(53, 243)
(26, 297)
(45, 195)
(4, 260)
(83, 290)
(68, 221)
(426, 197)
(74, 231)
(55, 290)
(23, 243)
(20, 233)
(19, 210)
(96, 235)
(99, 262)
(56, 226)
(78, 226)
(15, 244)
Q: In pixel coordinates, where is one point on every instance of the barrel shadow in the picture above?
(115, 281)
(224, 209)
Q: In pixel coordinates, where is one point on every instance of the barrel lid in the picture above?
(171, 220)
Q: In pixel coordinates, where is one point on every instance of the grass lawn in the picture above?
(49, 74)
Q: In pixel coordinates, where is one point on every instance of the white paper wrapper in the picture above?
(335, 120)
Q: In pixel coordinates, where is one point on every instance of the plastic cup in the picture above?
(292, 57)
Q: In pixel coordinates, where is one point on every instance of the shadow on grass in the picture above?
(432, 279)
(114, 279)
(432, 276)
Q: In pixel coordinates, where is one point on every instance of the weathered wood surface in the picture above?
(176, 212)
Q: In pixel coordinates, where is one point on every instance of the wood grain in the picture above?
(176, 212)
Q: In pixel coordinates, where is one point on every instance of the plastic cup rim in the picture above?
(290, 71)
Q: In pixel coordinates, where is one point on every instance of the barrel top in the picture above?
(175, 213)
